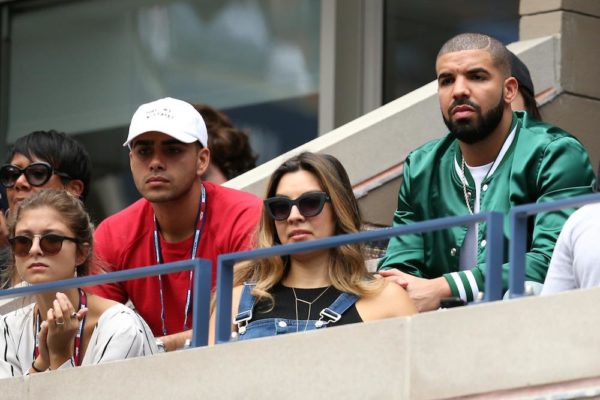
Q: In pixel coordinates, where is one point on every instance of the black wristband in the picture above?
(34, 368)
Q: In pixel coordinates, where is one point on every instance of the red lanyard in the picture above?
(200, 219)
(78, 337)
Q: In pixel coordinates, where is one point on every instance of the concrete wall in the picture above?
(526, 343)
(400, 126)
(578, 22)
(373, 147)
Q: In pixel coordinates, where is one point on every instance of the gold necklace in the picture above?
(310, 303)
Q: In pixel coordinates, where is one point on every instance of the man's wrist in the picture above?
(160, 345)
(175, 341)
(444, 289)
(37, 369)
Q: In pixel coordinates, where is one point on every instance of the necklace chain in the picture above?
(310, 303)
(463, 179)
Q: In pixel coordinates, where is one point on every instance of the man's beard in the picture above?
(472, 131)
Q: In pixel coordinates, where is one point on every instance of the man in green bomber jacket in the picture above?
(492, 159)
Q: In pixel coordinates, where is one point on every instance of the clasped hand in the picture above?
(57, 333)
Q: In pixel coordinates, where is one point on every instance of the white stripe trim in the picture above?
(503, 150)
(472, 283)
(459, 285)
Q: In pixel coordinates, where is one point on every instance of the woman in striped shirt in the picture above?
(51, 239)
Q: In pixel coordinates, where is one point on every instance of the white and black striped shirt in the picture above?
(119, 334)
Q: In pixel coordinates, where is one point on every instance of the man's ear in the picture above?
(75, 187)
(511, 89)
(203, 161)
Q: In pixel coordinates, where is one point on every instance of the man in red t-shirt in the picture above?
(168, 155)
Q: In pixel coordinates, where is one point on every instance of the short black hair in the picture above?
(477, 41)
(60, 150)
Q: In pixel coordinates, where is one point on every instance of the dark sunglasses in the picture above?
(309, 204)
(37, 174)
(50, 244)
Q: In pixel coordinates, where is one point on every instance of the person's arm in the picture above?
(121, 334)
(9, 361)
(391, 301)
(60, 330)
(426, 294)
(561, 273)
(405, 252)
(175, 341)
(396, 301)
(564, 171)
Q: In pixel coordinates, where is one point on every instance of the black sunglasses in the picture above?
(50, 244)
(309, 204)
(37, 174)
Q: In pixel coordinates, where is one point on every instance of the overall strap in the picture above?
(334, 312)
(245, 307)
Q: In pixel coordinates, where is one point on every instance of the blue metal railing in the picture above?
(202, 282)
(518, 234)
(203, 271)
(493, 282)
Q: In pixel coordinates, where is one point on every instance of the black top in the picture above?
(285, 306)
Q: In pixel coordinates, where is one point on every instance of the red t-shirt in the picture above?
(125, 241)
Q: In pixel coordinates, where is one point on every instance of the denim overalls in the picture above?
(248, 329)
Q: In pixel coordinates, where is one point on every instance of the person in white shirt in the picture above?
(575, 260)
(51, 239)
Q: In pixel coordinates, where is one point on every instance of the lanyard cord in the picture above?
(200, 218)
(78, 337)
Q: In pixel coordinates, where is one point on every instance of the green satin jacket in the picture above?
(543, 163)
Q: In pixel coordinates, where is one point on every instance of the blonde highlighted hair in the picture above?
(347, 269)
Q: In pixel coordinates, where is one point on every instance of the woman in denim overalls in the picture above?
(310, 197)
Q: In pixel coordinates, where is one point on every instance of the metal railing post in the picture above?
(201, 304)
(517, 250)
(494, 256)
(518, 234)
(223, 305)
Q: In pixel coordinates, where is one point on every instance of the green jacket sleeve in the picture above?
(405, 252)
(563, 170)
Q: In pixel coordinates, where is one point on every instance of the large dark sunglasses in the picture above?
(37, 174)
(309, 204)
(50, 244)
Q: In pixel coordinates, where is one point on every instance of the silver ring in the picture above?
(60, 323)
(73, 315)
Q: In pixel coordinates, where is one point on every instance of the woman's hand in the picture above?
(42, 361)
(62, 325)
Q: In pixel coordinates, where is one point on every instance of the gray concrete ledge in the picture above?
(590, 7)
(487, 348)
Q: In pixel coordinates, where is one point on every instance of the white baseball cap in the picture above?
(170, 116)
